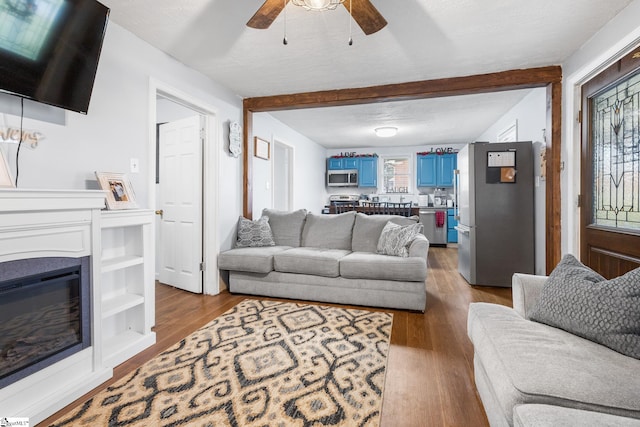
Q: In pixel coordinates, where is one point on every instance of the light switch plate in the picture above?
(135, 165)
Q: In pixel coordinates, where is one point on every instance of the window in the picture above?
(396, 174)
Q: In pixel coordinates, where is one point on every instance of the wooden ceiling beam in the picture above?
(481, 83)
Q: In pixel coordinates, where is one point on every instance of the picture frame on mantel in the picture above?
(120, 193)
(261, 148)
(6, 181)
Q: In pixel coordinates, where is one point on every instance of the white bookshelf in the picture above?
(126, 284)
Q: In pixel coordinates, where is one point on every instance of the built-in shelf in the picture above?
(118, 263)
(120, 303)
(121, 346)
(126, 284)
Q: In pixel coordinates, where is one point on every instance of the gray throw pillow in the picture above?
(582, 302)
(395, 239)
(253, 234)
(286, 226)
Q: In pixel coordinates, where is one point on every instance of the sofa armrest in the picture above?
(419, 247)
(525, 292)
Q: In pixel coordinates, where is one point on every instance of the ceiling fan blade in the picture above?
(267, 13)
(366, 15)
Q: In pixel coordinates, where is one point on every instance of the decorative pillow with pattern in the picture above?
(579, 300)
(252, 234)
(395, 239)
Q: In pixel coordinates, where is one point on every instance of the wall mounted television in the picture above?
(49, 50)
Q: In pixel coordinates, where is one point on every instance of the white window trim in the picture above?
(411, 173)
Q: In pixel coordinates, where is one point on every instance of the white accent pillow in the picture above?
(395, 239)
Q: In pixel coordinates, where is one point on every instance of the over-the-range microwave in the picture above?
(342, 178)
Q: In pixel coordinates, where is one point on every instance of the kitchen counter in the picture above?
(414, 210)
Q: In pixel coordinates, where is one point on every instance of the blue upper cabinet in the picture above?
(435, 170)
(350, 163)
(337, 163)
(427, 171)
(446, 165)
(368, 172)
(334, 163)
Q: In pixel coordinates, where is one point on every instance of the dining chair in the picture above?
(374, 208)
(403, 209)
(342, 207)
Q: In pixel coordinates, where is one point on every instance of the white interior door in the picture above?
(180, 199)
(282, 165)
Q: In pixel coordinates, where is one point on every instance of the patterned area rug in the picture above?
(262, 363)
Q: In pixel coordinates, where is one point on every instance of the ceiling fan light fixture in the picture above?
(318, 5)
(386, 132)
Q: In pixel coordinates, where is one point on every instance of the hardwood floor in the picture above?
(430, 368)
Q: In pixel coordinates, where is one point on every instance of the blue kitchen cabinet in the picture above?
(452, 233)
(339, 163)
(436, 170)
(368, 172)
(350, 163)
(426, 170)
(334, 163)
(446, 165)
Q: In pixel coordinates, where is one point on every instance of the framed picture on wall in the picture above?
(5, 176)
(120, 194)
(261, 148)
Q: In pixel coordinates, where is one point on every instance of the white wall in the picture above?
(613, 41)
(309, 190)
(117, 128)
(531, 116)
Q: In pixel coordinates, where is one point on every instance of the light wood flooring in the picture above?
(430, 368)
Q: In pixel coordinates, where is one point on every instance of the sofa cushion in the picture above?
(557, 416)
(528, 362)
(367, 229)
(579, 300)
(395, 239)
(286, 226)
(328, 231)
(315, 261)
(254, 260)
(365, 265)
(254, 233)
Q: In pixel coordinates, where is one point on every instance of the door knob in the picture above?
(160, 212)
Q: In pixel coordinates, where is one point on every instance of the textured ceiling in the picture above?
(425, 39)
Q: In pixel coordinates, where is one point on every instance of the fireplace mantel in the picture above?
(61, 223)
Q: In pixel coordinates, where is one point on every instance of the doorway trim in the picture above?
(210, 168)
(549, 77)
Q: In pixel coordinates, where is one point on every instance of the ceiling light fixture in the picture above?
(318, 5)
(386, 132)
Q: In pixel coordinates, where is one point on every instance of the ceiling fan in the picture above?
(362, 11)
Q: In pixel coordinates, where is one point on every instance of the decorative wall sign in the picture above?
(438, 150)
(235, 136)
(12, 135)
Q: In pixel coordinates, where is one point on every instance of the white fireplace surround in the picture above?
(58, 223)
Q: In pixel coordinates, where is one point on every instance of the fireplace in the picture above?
(45, 313)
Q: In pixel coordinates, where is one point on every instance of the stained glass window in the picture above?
(616, 155)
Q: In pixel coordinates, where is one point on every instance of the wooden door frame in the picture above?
(549, 77)
(610, 76)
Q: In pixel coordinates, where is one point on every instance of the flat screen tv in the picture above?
(49, 50)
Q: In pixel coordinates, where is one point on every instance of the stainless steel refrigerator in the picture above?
(495, 209)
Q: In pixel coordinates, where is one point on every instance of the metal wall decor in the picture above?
(615, 123)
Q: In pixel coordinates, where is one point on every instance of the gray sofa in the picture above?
(528, 373)
(330, 258)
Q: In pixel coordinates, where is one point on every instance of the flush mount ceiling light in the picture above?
(318, 5)
(386, 132)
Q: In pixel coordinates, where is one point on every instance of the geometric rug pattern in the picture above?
(262, 363)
